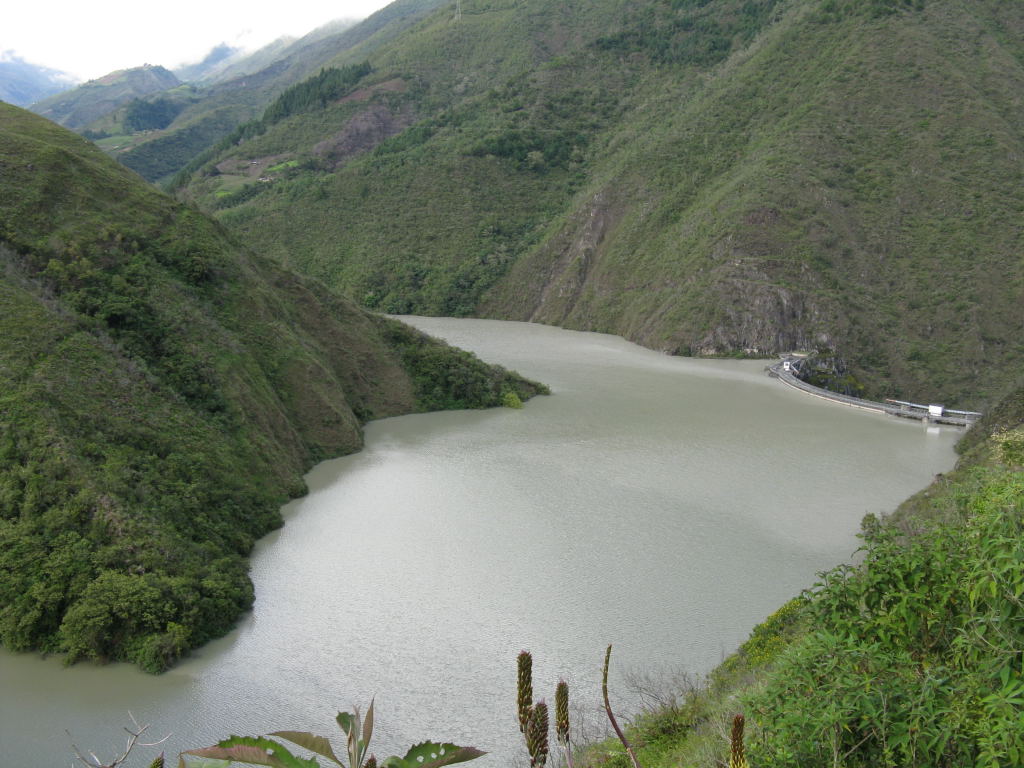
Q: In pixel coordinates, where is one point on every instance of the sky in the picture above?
(88, 40)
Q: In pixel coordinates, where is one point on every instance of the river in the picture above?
(662, 504)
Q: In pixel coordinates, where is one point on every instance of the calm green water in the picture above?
(661, 504)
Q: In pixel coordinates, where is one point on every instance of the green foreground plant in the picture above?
(533, 718)
(265, 751)
(915, 657)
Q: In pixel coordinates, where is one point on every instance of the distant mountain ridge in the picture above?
(229, 103)
(241, 63)
(77, 108)
(218, 58)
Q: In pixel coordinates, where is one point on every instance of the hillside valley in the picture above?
(705, 178)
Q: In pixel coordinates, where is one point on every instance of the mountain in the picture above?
(77, 108)
(163, 391)
(706, 177)
(21, 83)
(217, 59)
(242, 63)
(244, 89)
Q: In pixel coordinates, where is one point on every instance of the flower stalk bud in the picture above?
(736, 757)
(562, 711)
(537, 735)
(525, 688)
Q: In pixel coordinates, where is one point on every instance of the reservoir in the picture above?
(661, 504)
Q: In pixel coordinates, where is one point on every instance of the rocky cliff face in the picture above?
(740, 301)
(367, 128)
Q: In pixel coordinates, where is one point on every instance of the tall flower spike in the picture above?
(736, 757)
(537, 735)
(562, 719)
(525, 688)
(562, 711)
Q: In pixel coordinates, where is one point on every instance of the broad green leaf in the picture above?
(202, 762)
(310, 741)
(345, 721)
(256, 751)
(242, 754)
(431, 755)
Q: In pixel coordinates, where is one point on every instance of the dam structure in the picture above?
(788, 367)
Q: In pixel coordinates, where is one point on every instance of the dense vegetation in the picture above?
(162, 156)
(163, 390)
(914, 656)
(681, 33)
(729, 176)
(141, 115)
(910, 659)
(316, 92)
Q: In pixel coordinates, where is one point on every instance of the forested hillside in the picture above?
(710, 177)
(162, 391)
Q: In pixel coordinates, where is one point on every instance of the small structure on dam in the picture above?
(933, 412)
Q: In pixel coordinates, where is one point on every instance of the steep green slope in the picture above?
(711, 177)
(910, 660)
(433, 203)
(76, 108)
(843, 183)
(162, 391)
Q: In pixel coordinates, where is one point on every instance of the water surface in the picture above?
(661, 504)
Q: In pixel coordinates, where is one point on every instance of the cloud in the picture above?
(90, 40)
